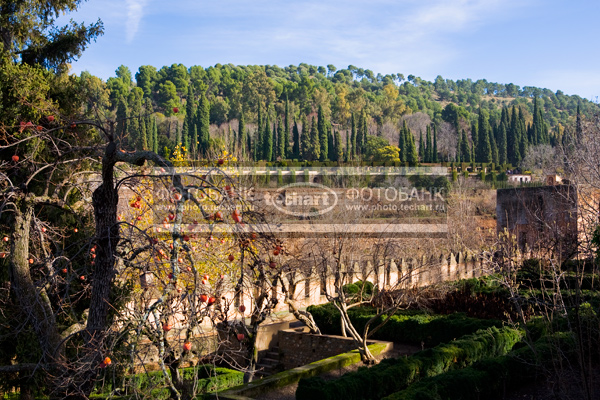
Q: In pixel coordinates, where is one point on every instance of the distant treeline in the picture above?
(321, 113)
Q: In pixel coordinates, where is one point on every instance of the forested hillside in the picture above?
(317, 113)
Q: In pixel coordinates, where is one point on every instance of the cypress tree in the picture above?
(305, 139)
(347, 152)
(188, 122)
(203, 126)
(286, 129)
(339, 150)
(331, 144)
(315, 144)
(148, 111)
(428, 146)
(578, 125)
(276, 139)
(412, 157)
(122, 114)
(474, 134)
(365, 132)
(249, 145)
(512, 139)
(296, 139)
(465, 150)
(422, 155)
(155, 134)
(434, 155)
(494, 147)
(458, 157)
(484, 149)
(259, 140)
(502, 144)
(322, 129)
(402, 142)
(267, 152)
(353, 139)
(242, 137)
(143, 134)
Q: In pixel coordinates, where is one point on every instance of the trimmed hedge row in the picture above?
(489, 378)
(207, 378)
(392, 375)
(411, 327)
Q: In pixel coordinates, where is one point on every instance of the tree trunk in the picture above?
(33, 301)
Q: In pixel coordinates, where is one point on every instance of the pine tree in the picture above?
(322, 129)
(434, 154)
(296, 138)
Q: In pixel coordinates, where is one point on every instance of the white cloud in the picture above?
(135, 11)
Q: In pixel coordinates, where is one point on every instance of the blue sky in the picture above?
(543, 43)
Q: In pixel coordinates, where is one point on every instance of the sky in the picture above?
(542, 43)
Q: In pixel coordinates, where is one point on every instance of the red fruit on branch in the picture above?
(175, 110)
(242, 308)
(50, 118)
(231, 257)
(171, 216)
(205, 277)
(31, 261)
(107, 361)
(39, 128)
(219, 215)
(273, 264)
(82, 277)
(5, 238)
(211, 300)
(64, 270)
(275, 252)
(220, 161)
(15, 158)
(240, 337)
(187, 346)
(203, 298)
(167, 327)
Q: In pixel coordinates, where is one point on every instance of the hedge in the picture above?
(489, 378)
(207, 378)
(414, 327)
(393, 375)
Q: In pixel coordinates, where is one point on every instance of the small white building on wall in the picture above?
(519, 178)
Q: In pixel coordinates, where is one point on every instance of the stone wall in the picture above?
(297, 347)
